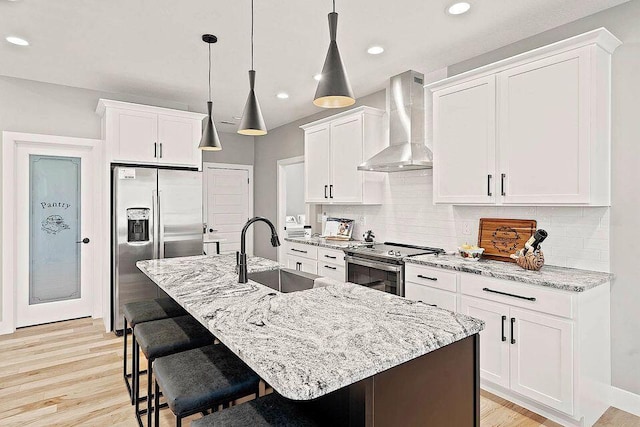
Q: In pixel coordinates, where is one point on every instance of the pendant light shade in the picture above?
(210, 140)
(334, 89)
(252, 122)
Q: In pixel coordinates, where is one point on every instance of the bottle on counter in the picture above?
(533, 243)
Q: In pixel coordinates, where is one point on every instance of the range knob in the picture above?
(398, 253)
(390, 252)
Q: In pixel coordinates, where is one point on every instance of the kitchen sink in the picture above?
(284, 279)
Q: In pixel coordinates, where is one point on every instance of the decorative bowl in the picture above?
(471, 254)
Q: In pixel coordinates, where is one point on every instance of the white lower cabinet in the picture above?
(527, 352)
(302, 264)
(324, 262)
(429, 295)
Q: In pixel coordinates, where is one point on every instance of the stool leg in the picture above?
(178, 421)
(136, 374)
(156, 405)
(149, 392)
(124, 368)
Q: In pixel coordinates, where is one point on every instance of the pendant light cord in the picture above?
(252, 34)
(209, 72)
(334, 6)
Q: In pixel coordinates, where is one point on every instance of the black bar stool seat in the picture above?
(270, 410)
(140, 312)
(162, 338)
(197, 380)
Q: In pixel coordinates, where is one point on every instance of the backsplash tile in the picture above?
(578, 236)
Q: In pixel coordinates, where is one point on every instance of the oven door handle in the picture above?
(372, 264)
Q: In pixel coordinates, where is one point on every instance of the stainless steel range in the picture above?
(381, 266)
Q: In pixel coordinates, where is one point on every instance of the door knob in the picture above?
(85, 240)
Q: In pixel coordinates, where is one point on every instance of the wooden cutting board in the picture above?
(501, 237)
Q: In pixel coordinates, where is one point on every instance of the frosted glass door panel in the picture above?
(54, 229)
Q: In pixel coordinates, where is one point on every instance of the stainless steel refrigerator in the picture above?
(156, 213)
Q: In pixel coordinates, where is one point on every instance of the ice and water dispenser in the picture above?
(138, 225)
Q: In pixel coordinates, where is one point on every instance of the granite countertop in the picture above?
(567, 279)
(324, 243)
(306, 344)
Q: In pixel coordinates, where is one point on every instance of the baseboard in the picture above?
(6, 328)
(625, 400)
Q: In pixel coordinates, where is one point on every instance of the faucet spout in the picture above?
(242, 257)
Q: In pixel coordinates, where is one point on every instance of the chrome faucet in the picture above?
(242, 257)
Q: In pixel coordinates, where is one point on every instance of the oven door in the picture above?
(375, 274)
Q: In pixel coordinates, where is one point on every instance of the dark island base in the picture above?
(441, 388)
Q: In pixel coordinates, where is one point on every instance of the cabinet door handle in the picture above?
(325, 191)
(427, 277)
(155, 149)
(330, 268)
(489, 193)
(161, 150)
(331, 191)
(502, 177)
(513, 321)
(504, 338)
(331, 257)
(508, 294)
(298, 250)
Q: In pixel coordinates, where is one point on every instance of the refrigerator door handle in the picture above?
(160, 227)
(155, 216)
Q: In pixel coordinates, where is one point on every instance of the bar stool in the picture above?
(200, 379)
(162, 338)
(140, 312)
(270, 410)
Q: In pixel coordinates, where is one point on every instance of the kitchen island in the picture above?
(392, 360)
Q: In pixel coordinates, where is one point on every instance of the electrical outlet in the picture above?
(466, 228)
(319, 218)
(361, 221)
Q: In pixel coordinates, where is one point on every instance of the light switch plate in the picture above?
(466, 228)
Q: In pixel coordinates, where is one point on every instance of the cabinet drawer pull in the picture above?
(161, 150)
(155, 149)
(504, 338)
(325, 191)
(298, 250)
(513, 321)
(330, 268)
(331, 257)
(502, 177)
(427, 277)
(331, 191)
(508, 294)
(489, 193)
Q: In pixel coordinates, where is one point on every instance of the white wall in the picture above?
(295, 189)
(578, 237)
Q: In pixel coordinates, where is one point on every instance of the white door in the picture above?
(316, 164)
(541, 359)
(544, 107)
(178, 139)
(429, 295)
(346, 154)
(464, 143)
(55, 234)
(227, 207)
(136, 136)
(494, 339)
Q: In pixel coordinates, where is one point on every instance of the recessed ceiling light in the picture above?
(375, 50)
(283, 95)
(317, 77)
(458, 8)
(17, 41)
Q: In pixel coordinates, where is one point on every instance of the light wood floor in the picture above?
(70, 374)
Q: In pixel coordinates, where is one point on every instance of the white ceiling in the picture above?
(152, 47)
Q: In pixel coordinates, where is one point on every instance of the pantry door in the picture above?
(55, 243)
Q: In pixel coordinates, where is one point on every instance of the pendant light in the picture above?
(252, 122)
(334, 89)
(210, 140)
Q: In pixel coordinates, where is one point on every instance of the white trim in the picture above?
(9, 142)
(249, 169)
(282, 202)
(103, 104)
(600, 37)
(364, 109)
(625, 400)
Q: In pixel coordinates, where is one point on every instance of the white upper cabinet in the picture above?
(464, 169)
(333, 149)
(533, 129)
(141, 134)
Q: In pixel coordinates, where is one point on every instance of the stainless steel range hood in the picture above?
(407, 149)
